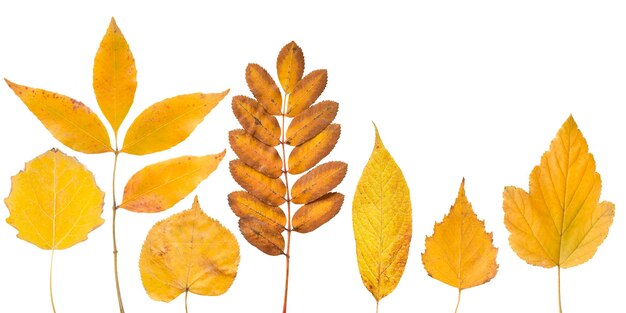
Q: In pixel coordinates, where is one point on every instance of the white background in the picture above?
(473, 89)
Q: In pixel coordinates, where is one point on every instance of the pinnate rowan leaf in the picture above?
(160, 186)
(290, 66)
(188, 251)
(168, 122)
(311, 122)
(264, 88)
(460, 252)
(381, 216)
(69, 121)
(256, 154)
(305, 156)
(114, 76)
(560, 222)
(256, 121)
(54, 202)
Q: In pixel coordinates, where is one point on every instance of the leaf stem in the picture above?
(117, 281)
(377, 302)
(287, 253)
(50, 282)
(559, 287)
(458, 301)
(186, 294)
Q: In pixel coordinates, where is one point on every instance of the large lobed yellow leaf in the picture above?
(560, 222)
(160, 186)
(54, 202)
(169, 122)
(381, 216)
(68, 120)
(188, 251)
(460, 252)
(114, 76)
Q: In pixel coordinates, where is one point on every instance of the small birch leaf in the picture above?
(160, 186)
(54, 202)
(560, 222)
(315, 214)
(460, 252)
(264, 88)
(381, 216)
(69, 121)
(256, 121)
(263, 236)
(290, 66)
(168, 122)
(114, 76)
(188, 251)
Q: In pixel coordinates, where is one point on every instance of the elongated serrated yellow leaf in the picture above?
(315, 214)
(290, 66)
(264, 88)
(69, 121)
(306, 92)
(258, 123)
(305, 156)
(114, 76)
(265, 237)
(169, 122)
(160, 186)
(381, 216)
(560, 222)
(269, 190)
(311, 122)
(54, 202)
(256, 154)
(318, 182)
(188, 251)
(460, 252)
(245, 205)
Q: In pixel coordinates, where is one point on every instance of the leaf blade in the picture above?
(264, 237)
(318, 182)
(256, 121)
(317, 213)
(245, 205)
(311, 122)
(269, 190)
(264, 88)
(256, 154)
(306, 92)
(290, 66)
(308, 154)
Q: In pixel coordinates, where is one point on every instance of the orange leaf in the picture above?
(245, 205)
(256, 154)
(269, 190)
(256, 121)
(264, 88)
(318, 182)
(311, 122)
(315, 214)
(306, 92)
(306, 155)
(290, 66)
(265, 237)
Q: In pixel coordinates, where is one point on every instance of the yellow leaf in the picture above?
(160, 186)
(256, 154)
(306, 155)
(560, 222)
(245, 205)
(263, 236)
(188, 251)
(256, 121)
(54, 202)
(306, 92)
(318, 182)
(169, 122)
(311, 122)
(264, 88)
(381, 216)
(290, 66)
(269, 190)
(114, 76)
(69, 121)
(315, 214)
(460, 252)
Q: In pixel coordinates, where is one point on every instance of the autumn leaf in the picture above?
(114, 76)
(69, 121)
(188, 252)
(168, 122)
(381, 217)
(54, 203)
(264, 170)
(159, 186)
(560, 222)
(460, 252)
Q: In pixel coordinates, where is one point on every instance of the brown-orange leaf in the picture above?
(306, 155)
(265, 237)
(290, 66)
(306, 92)
(256, 121)
(269, 190)
(318, 182)
(311, 122)
(264, 88)
(245, 205)
(256, 154)
(315, 214)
